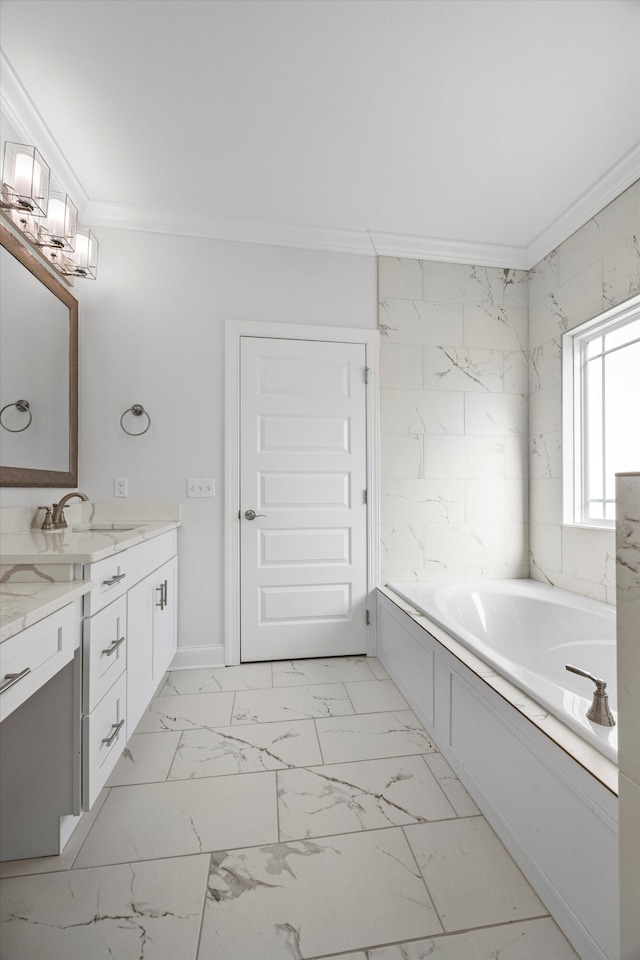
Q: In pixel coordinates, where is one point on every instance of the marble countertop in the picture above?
(23, 604)
(586, 755)
(78, 543)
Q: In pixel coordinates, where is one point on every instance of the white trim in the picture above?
(449, 251)
(234, 330)
(21, 112)
(190, 658)
(606, 188)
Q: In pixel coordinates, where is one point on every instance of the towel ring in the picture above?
(23, 407)
(137, 410)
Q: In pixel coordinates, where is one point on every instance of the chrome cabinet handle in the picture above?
(251, 514)
(114, 646)
(116, 579)
(163, 595)
(11, 678)
(117, 727)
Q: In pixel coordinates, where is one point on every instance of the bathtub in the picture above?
(528, 631)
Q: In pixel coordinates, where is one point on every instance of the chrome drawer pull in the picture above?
(12, 678)
(114, 646)
(163, 595)
(116, 730)
(116, 579)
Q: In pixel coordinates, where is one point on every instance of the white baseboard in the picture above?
(192, 658)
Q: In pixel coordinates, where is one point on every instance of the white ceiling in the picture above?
(394, 124)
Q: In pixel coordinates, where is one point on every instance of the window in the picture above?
(601, 411)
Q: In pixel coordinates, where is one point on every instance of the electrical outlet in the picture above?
(120, 487)
(201, 488)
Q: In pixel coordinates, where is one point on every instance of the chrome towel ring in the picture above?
(23, 407)
(138, 411)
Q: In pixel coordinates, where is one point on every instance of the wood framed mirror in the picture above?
(38, 371)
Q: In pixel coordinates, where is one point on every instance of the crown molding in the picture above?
(191, 224)
(448, 251)
(609, 186)
(23, 115)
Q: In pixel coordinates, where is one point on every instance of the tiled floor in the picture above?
(279, 812)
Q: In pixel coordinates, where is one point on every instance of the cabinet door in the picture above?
(140, 601)
(165, 618)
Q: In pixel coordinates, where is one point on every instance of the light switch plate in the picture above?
(201, 488)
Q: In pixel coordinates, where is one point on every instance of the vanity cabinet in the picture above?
(129, 641)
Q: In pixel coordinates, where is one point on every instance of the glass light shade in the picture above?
(59, 228)
(25, 180)
(83, 262)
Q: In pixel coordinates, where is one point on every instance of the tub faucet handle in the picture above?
(599, 710)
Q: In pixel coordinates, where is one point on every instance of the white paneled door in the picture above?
(303, 475)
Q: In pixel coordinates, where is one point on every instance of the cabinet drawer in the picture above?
(37, 653)
(104, 735)
(104, 643)
(114, 575)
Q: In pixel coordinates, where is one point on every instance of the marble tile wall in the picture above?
(594, 269)
(453, 404)
(628, 625)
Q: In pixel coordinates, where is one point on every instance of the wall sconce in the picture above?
(25, 180)
(44, 214)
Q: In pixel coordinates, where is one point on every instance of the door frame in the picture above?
(234, 330)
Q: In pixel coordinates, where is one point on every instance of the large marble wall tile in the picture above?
(515, 458)
(496, 501)
(462, 283)
(543, 278)
(628, 608)
(421, 501)
(399, 277)
(128, 911)
(516, 371)
(401, 456)
(481, 458)
(465, 544)
(545, 544)
(401, 546)
(400, 366)
(309, 898)
(421, 412)
(496, 415)
(452, 368)
(501, 328)
(516, 288)
(576, 300)
(589, 555)
(418, 321)
(621, 273)
(545, 498)
(545, 412)
(546, 455)
(545, 365)
(364, 795)
(516, 545)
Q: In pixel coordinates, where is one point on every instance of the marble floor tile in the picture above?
(376, 696)
(453, 789)
(247, 676)
(245, 748)
(314, 897)
(182, 817)
(369, 736)
(472, 879)
(145, 759)
(186, 712)
(525, 940)
(293, 673)
(364, 795)
(292, 703)
(132, 910)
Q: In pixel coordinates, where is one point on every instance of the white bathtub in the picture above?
(528, 631)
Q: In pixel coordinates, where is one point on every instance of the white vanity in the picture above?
(88, 631)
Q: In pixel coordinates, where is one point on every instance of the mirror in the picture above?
(39, 365)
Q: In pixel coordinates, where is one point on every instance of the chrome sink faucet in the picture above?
(57, 517)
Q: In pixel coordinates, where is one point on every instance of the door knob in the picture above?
(251, 514)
